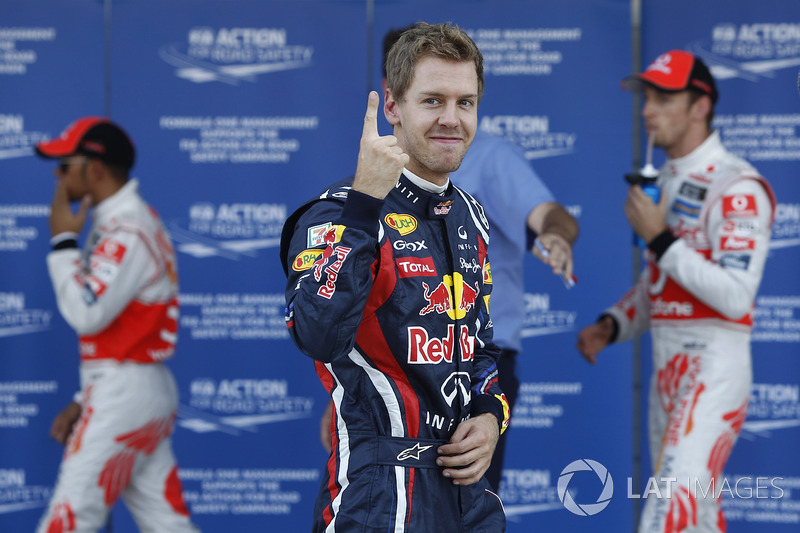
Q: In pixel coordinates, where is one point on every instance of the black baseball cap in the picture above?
(95, 137)
(675, 71)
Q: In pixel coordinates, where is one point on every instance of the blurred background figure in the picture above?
(120, 295)
(707, 242)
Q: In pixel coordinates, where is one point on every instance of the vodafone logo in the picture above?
(111, 249)
(739, 205)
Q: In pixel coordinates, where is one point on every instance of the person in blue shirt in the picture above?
(521, 209)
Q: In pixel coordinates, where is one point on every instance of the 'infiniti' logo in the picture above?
(454, 384)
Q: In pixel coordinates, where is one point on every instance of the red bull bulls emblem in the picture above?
(404, 224)
(451, 289)
(442, 208)
(332, 270)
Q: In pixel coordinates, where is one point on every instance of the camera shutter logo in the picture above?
(585, 509)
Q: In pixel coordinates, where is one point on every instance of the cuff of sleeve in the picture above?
(66, 239)
(615, 331)
(530, 238)
(661, 242)
(78, 398)
(485, 403)
(361, 211)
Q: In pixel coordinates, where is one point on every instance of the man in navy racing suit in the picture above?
(388, 290)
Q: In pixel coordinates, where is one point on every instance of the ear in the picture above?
(701, 108)
(94, 168)
(390, 108)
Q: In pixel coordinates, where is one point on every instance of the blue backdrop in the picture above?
(242, 109)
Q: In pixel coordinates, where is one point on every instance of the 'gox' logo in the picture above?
(412, 453)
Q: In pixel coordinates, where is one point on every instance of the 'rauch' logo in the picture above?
(585, 509)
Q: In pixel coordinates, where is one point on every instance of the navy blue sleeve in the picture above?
(330, 256)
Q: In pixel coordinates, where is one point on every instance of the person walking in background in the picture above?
(388, 291)
(120, 295)
(707, 241)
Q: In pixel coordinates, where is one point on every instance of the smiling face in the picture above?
(436, 119)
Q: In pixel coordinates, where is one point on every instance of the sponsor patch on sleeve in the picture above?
(111, 250)
(306, 259)
(739, 261)
(487, 273)
(739, 205)
(740, 227)
(733, 243)
(316, 234)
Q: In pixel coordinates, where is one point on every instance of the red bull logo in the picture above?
(326, 290)
(442, 208)
(321, 264)
(331, 237)
(426, 350)
(451, 289)
(404, 224)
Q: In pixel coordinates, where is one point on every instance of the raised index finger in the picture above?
(371, 117)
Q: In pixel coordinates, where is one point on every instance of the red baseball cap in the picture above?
(674, 71)
(95, 137)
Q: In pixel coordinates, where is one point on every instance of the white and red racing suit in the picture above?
(120, 296)
(697, 296)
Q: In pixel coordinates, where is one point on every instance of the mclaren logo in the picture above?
(233, 55)
(412, 453)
